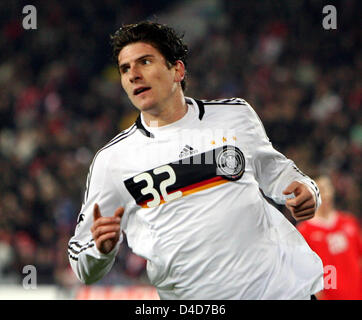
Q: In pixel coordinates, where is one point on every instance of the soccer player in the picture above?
(335, 236)
(186, 184)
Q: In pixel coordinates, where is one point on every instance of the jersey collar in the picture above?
(190, 101)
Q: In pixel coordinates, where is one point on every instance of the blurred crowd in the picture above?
(61, 100)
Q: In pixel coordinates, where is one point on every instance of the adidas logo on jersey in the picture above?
(187, 151)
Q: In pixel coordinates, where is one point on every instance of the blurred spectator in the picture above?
(336, 237)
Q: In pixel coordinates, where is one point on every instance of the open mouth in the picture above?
(140, 90)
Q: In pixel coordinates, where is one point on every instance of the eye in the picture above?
(124, 69)
(146, 61)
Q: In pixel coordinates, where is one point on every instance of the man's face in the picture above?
(326, 190)
(145, 76)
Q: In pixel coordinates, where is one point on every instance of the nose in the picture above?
(134, 74)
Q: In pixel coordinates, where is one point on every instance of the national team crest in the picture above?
(230, 163)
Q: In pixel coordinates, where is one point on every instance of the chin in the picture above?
(144, 105)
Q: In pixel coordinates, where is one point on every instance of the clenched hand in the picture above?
(106, 230)
(303, 206)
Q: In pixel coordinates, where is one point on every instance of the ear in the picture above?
(179, 71)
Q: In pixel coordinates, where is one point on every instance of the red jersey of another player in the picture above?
(338, 244)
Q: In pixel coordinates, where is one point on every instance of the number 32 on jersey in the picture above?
(152, 180)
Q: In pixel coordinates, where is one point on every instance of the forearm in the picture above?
(90, 265)
(289, 172)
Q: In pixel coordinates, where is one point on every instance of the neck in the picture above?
(325, 212)
(169, 112)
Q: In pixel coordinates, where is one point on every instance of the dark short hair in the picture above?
(160, 36)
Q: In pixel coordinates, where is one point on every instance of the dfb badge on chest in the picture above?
(230, 163)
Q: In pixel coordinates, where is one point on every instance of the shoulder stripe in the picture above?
(118, 138)
(121, 134)
(230, 101)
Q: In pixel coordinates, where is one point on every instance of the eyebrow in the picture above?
(138, 59)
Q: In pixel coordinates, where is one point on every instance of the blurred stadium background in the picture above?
(61, 100)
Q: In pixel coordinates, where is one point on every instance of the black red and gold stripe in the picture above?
(193, 174)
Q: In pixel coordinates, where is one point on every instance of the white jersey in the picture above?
(194, 208)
